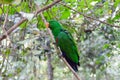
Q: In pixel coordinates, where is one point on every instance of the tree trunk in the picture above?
(49, 69)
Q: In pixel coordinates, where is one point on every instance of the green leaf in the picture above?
(24, 52)
(10, 75)
(1, 11)
(106, 46)
(100, 60)
(40, 23)
(7, 52)
(117, 2)
(23, 25)
(118, 45)
(108, 55)
(24, 7)
(6, 1)
(65, 14)
(10, 9)
(109, 20)
(18, 70)
(116, 17)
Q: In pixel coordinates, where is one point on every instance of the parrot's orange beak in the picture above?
(47, 24)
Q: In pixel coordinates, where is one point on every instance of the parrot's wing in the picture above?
(66, 43)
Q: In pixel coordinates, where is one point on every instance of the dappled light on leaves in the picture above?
(25, 42)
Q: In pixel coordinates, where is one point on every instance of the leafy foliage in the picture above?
(23, 54)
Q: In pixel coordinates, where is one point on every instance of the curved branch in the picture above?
(89, 16)
(57, 48)
(59, 51)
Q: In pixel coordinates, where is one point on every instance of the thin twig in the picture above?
(13, 28)
(89, 16)
(3, 27)
(86, 3)
(47, 7)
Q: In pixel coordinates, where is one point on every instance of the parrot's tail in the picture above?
(71, 63)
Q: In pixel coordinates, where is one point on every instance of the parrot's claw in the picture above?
(54, 43)
(60, 55)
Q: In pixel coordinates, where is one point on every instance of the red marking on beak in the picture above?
(47, 25)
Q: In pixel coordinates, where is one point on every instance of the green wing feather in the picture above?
(67, 44)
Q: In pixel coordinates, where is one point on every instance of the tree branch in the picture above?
(57, 48)
(50, 68)
(89, 16)
(59, 51)
(5, 21)
(48, 6)
(25, 19)
(12, 28)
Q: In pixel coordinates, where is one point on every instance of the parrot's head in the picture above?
(53, 25)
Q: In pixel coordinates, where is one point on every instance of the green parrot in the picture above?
(66, 43)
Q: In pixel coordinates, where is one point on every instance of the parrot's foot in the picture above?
(60, 55)
(54, 43)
